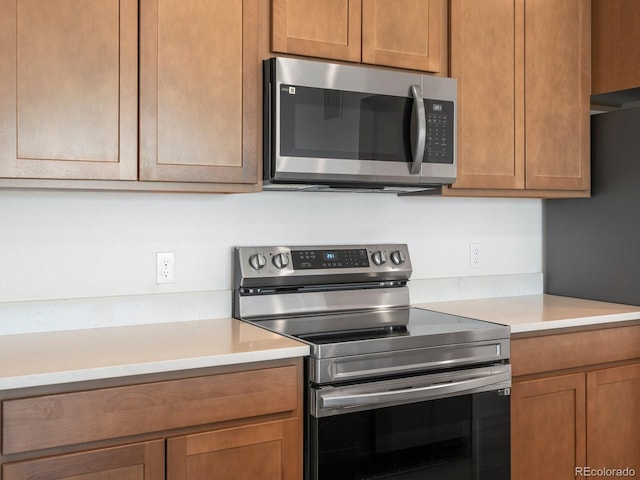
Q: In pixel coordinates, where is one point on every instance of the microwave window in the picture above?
(323, 123)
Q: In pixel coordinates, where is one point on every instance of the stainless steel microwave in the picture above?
(337, 127)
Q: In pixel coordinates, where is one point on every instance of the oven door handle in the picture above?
(428, 392)
(418, 129)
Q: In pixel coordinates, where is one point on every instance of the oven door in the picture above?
(451, 426)
(327, 128)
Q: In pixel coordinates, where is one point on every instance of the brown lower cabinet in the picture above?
(575, 405)
(140, 461)
(238, 424)
(265, 450)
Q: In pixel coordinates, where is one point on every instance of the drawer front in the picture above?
(576, 349)
(71, 418)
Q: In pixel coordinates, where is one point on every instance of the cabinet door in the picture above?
(326, 29)
(548, 427)
(557, 77)
(616, 45)
(199, 74)
(487, 59)
(403, 33)
(523, 96)
(68, 89)
(613, 418)
(143, 461)
(268, 451)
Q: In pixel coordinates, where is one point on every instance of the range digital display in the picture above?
(315, 259)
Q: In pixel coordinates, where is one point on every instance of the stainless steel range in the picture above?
(393, 392)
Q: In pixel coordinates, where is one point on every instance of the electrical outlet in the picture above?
(165, 267)
(475, 255)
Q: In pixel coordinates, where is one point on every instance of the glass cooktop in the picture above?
(383, 330)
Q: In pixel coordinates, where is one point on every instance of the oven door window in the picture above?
(456, 438)
(323, 123)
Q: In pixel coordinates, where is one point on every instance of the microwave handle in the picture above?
(419, 131)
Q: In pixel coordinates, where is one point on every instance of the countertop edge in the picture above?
(119, 371)
(67, 357)
(572, 323)
(536, 314)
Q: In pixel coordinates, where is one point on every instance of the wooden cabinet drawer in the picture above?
(574, 350)
(85, 416)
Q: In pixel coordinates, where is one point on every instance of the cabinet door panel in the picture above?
(269, 451)
(613, 413)
(198, 90)
(548, 427)
(403, 33)
(487, 60)
(557, 78)
(68, 89)
(327, 29)
(144, 461)
(615, 44)
(523, 96)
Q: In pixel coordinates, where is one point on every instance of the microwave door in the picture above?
(338, 135)
(385, 137)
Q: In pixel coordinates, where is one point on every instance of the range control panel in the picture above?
(322, 264)
(330, 258)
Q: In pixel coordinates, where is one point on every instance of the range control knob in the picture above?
(257, 261)
(379, 257)
(397, 257)
(280, 260)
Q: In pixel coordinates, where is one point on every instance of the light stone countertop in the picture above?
(536, 313)
(36, 359)
(49, 358)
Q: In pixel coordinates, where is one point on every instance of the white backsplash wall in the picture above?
(67, 245)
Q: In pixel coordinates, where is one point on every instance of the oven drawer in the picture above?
(330, 400)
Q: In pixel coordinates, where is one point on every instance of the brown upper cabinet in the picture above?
(68, 89)
(69, 93)
(407, 34)
(523, 70)
(199, 90)
(616, 45)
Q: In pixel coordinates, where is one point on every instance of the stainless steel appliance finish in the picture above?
(332, 400)
(330, 126)
(437, 384)
(351, 304)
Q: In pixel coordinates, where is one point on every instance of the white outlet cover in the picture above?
(165, 267)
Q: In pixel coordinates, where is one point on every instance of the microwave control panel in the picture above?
(439, 143)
